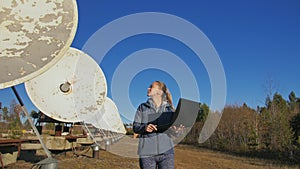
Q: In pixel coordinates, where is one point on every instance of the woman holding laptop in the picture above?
(156, 148)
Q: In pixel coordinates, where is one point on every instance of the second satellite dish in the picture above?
(34, 35)
(72, 90)
(108, 118)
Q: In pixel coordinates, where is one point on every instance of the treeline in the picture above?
(11, 120)
(271, 131)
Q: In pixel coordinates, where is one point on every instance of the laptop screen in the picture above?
(185, 114)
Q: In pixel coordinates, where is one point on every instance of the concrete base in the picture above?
(58, 143)
(9, 158)
(31, 146)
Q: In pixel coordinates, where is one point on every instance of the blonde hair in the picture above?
(167, 93)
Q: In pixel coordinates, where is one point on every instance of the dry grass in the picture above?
(185, 157)
(192, 157)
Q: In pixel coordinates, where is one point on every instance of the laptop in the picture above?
(185, 114)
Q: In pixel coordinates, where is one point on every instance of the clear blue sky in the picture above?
(255, 40)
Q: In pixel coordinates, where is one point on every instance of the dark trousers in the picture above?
(162, 161)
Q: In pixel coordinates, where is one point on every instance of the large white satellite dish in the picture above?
(111, 119)
(108, 118)
(73, 90)
(34, 35)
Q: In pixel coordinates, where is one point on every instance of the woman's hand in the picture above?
(150, 128)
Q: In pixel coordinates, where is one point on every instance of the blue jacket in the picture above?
(152, 143)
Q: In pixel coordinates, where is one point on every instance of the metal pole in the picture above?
(31, 122)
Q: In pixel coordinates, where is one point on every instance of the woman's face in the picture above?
(154, 90)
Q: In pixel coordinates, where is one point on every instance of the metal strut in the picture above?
(31, 122)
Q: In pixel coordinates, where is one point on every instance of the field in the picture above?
(186, 157)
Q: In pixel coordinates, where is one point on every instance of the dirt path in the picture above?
(186, 157)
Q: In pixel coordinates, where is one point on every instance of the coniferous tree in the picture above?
(295, 124)
(294, 104)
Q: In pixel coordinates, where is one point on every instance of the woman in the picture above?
(155, 148)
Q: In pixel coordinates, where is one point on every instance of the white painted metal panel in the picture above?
(72, 90)
(34, 35)
(108, 118)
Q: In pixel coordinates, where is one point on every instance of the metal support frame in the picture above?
(31, 122)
